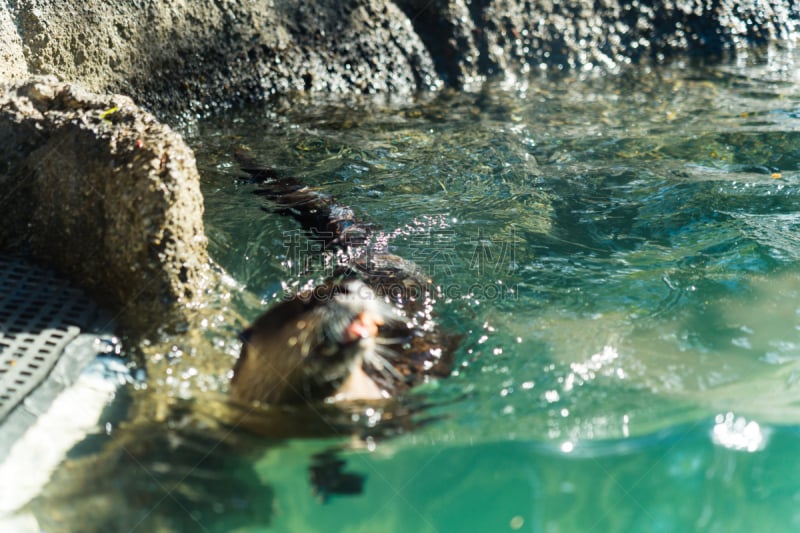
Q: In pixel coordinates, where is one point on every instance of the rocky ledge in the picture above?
(177, 56)
(100, 189)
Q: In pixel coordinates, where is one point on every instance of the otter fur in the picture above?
(366, 333)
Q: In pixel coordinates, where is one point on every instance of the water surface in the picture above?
(620, 255)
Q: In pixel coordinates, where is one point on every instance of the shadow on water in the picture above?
(178, 474)
(194, 469)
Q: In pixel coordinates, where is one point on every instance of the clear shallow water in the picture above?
(621, 256)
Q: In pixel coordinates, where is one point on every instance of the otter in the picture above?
(367, 332)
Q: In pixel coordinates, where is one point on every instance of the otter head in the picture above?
(313, 347)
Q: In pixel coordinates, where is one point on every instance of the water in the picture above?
(621, 257)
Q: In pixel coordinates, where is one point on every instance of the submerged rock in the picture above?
(101, 190)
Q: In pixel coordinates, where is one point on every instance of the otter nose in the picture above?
(362, 326)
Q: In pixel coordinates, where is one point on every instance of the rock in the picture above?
(514, 37)
(606, 34)
(12, 60)
(193, 56)
(174, 57)
(448, 29)
(101, 190)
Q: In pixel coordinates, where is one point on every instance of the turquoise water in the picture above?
(620, 255)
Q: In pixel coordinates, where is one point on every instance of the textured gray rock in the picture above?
(192, 55)
(579, 34)
(182, 55)
(103, 191)
(12, 60)
(513, 37)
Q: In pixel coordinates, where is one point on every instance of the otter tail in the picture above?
(335, 225)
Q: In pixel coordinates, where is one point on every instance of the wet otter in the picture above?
(366, 333)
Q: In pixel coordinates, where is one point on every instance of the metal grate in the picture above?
(39, 315)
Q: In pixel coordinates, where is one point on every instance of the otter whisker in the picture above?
(381, 363)
(388, 341)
